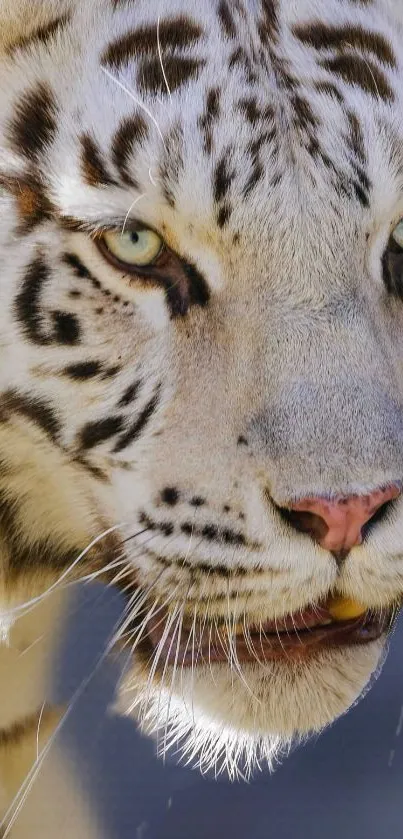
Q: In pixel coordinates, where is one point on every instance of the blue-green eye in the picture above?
(134, 248)
(397, 234)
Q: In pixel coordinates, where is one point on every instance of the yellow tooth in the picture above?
(344, 608)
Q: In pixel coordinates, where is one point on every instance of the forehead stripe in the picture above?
(174, 33)
(361, 72)
(346, 38)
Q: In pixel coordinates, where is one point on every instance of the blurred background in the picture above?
(346, 783)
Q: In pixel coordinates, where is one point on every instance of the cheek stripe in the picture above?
(135, 430)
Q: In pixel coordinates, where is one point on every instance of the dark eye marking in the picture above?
(78, 267)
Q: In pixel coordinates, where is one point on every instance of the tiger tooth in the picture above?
(345, 608)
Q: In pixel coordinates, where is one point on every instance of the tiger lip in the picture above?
(297, 637)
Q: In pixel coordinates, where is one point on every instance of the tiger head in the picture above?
(202, 345)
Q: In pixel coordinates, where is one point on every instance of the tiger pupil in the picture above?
(134, 237)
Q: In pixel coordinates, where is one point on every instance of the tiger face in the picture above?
(202, 346)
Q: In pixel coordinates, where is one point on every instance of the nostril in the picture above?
(305, 522)
(342, 522)
(381, 514)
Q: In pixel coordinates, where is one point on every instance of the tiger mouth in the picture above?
(296, 637)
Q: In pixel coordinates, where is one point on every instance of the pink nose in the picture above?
(337, 525)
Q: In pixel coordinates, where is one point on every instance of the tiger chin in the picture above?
(201, 363)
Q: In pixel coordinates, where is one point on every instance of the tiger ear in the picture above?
(19, 19)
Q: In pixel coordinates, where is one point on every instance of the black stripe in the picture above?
(361, 72)
(254, 178)
(33, 205)
(67, 328)
(269, 25)
(94, 471)
(129, 394)
(209, 117)
(33, 557)
(226, 19)
(174, 33)
(130, 133)
(223, 178)
(93, 168)
(355, 138)
(40, 35)
(33, 127)
(38, 412)
(94, 433)
(342, 38)
(223, 215)
(178, 72)
(304, 116)
(199, 293)
(110, 372)
(27, 303)
(79, 268)
(360, 194)
(135, 430)
(362, 177)
(329, 89)
(83, 370)
(212, 571)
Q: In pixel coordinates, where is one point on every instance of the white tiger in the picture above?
(201, 322)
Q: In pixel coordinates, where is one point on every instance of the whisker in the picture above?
(19, 799)
(137, 101)
(160, 58)
(24, 608)
(136, 200)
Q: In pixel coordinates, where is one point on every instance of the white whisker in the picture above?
(160, 58)
(136, 200)
(23, 608)
(137, 101)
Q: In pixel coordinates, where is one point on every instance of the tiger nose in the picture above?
(337, 524)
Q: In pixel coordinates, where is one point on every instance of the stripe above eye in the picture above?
(33, 126)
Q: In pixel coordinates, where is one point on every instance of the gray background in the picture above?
(346, 783)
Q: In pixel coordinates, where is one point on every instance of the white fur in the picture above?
(298, 349)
